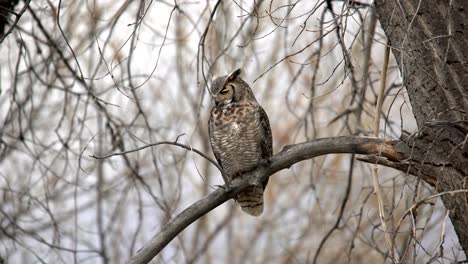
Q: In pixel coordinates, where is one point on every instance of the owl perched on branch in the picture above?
(240, 135)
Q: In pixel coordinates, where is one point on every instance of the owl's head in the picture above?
(230, 89)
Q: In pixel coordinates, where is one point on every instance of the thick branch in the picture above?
(289, 156)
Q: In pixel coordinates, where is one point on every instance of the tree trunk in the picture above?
(430, 44)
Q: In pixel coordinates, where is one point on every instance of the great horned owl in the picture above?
(240, 135)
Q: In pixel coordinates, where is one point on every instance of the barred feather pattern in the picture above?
(240, 136)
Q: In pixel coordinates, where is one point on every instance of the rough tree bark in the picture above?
(430, 44)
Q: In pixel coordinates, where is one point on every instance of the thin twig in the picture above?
(157, 144)
(375, 179)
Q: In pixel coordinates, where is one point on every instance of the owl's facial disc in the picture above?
(225, 95)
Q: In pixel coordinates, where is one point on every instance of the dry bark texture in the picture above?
(429, 41)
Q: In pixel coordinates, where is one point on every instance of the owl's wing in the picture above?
(267, 142)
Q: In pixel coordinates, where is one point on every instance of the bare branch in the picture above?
(161, 143)
(289, 156)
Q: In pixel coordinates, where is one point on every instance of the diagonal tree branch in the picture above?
(289, 156)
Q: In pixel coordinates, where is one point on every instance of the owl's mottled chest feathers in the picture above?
(231, 115)
(236, 135)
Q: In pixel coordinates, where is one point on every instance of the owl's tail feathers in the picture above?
(251, 200)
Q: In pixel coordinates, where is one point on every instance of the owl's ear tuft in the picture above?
(233, 75)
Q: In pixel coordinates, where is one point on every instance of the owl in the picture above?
(240, 135)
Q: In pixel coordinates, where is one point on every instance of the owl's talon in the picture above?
(227, 188)
(265, 162)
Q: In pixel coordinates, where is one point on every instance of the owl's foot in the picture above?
(227, 188)
(265, 162)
